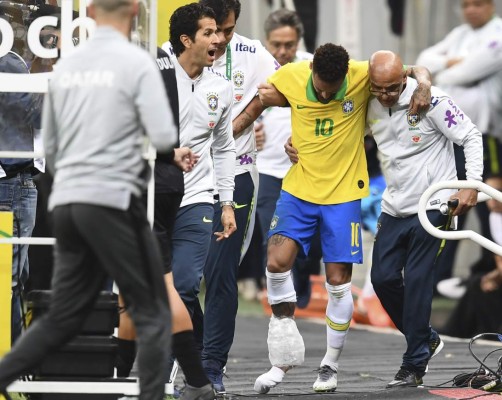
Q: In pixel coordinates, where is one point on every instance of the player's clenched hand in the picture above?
(270, 96)
(228, 222)
(291, 151)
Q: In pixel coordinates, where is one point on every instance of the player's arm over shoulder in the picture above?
(270, 92)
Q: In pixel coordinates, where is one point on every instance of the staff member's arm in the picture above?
(252, 111)
(223, 149)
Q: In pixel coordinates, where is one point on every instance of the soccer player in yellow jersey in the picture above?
(328, 99)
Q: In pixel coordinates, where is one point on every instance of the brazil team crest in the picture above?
(413, 119)
(347, 106)
(273, 223)
(238, 78)
(212, 101)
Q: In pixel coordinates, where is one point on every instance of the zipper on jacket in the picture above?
(390, 112)
(193, 87)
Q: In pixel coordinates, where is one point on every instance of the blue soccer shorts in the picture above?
(339, 226)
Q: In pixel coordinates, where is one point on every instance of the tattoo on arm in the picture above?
(277, 240)
(242, 122)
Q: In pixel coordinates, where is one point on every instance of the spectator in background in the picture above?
(308, 12)
(467, 64)
(19, 120)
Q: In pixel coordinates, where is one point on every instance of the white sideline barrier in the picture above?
(21, 154)
(29, 240)
(486, 192)
(126, 388)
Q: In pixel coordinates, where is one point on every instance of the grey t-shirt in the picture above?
(102, 100)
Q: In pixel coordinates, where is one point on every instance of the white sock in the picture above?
(331, 358)
(280, 288)
(338, 317)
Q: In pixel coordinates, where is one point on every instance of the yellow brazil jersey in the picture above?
(329, 137)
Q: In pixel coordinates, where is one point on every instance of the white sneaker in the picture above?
(326, 380)
(268, 380)
(452, 288)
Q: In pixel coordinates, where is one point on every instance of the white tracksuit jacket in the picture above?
(475, 84)
(417, 151)
(205, 105)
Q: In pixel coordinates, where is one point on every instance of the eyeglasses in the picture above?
(390, 91)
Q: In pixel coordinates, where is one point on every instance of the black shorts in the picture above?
(166, 208)
(492, 156)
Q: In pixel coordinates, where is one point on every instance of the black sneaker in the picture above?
(215, 375)
(435, 346)
(405, 377)
(203, 393)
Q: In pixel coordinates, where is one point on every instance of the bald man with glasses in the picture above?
(416, 150)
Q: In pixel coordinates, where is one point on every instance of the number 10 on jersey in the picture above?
(324, 127)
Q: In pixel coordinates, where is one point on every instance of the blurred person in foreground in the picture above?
(93, 130)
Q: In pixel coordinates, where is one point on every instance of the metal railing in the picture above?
(486, 192)
(149, 155)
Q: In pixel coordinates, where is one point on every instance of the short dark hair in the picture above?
(331, 62)
(222, 8)
(283, 17)
(185, 21)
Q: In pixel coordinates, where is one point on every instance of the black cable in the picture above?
(499, 338)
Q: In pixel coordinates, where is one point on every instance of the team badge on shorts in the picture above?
(413, 119)
(273, 223)
(347, 106)
(212, 101)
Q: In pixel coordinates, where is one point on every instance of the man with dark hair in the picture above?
(93, 130)
(169, 191)
(205, 126)
(328, 99)
(245, 63)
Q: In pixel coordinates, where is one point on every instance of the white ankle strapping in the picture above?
(280, 287)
